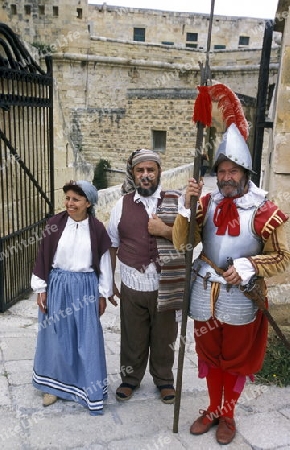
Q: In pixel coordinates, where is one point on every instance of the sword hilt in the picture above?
(230, 262)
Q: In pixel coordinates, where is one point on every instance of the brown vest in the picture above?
(137, 247)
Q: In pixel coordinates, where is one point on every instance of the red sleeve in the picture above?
(202, 208)
(268, 217)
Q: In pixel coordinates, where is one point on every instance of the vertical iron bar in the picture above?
(2, 294)
(261, 101)
(49, 65)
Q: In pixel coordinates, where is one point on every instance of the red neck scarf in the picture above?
(226, 217)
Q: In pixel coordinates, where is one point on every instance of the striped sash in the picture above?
(172, 262)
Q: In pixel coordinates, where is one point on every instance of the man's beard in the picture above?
(237, 192)
(147, 192)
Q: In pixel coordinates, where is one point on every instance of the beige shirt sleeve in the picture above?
(275, 257)
(180, 233)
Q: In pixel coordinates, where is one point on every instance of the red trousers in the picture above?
(226, 354)
(234, 348)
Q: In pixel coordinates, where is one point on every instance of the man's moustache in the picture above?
(228, 183)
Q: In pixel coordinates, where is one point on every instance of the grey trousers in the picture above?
(146, 334)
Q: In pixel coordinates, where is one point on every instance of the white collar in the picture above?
(254, 197)
(73, 223)
(140, 198)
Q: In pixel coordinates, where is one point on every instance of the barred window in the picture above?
(244, 40)
(219, 46)
(192, 37)
(139, 34)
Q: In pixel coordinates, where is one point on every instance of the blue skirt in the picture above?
(70, 357)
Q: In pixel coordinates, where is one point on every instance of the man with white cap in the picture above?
(243, 235)
(152, 276)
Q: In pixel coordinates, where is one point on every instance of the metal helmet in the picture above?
(234, 148)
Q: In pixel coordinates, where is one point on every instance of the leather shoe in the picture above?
(226, 430)
(203, 423)
(49, 399)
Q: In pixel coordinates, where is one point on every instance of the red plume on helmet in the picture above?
(228, 103)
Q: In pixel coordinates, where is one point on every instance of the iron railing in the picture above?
(26, 162)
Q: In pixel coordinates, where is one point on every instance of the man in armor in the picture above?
(243, 235)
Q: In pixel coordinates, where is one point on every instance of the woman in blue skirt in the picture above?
(72, 277)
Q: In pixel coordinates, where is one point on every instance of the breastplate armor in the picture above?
(218, 248)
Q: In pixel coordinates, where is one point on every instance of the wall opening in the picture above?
(159, 140)
(139, 34)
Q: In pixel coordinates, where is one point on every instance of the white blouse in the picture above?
(74, 254)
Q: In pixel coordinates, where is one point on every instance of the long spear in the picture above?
(205, 76)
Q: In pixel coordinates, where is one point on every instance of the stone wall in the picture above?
(56, 22)
(52, 25)
(159, 66)
(108, 108)
(165, 26)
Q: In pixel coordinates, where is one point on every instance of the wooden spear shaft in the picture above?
(186, 295)
(205, 75)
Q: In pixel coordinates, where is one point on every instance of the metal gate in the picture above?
(26, 163)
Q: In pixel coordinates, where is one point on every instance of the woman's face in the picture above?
(76, 205)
